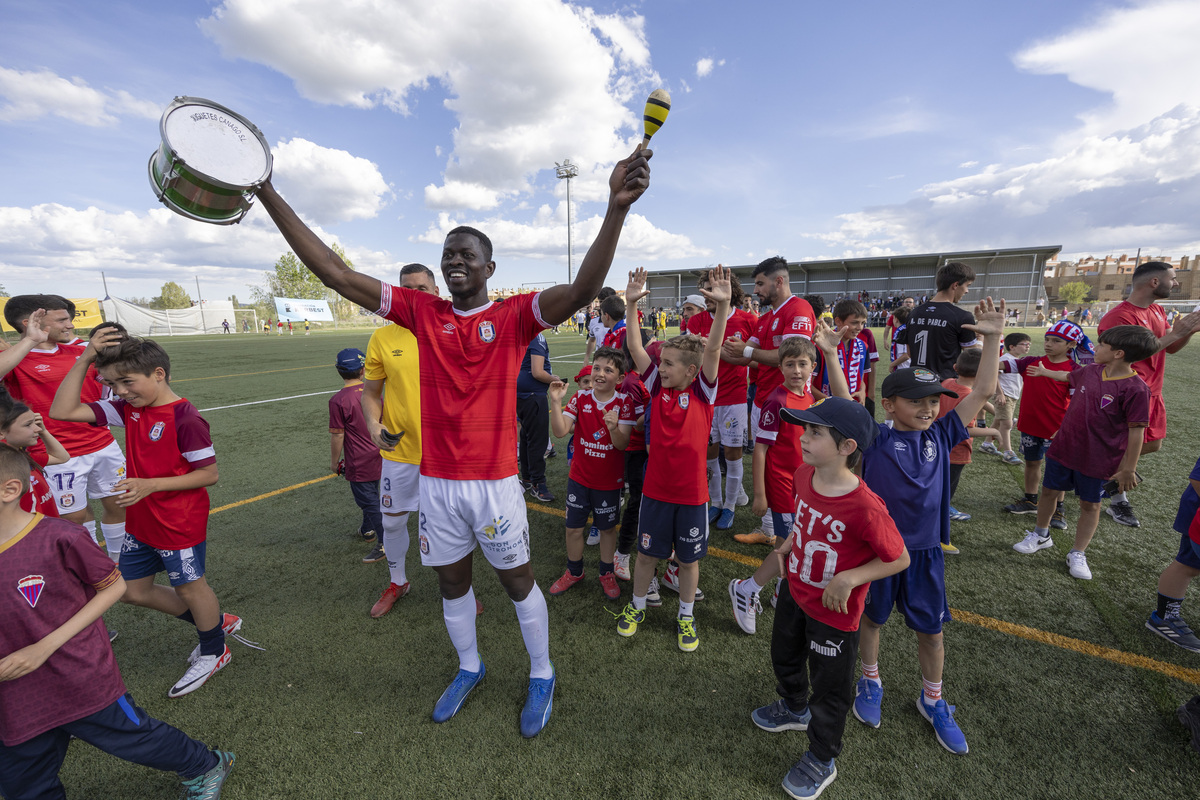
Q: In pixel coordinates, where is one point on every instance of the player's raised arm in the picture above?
(629, 180)
(34, 335)
(318, 256)
(560, 426)
(989, 325)
(720, 292)
(826, 339)
(67, 405)
(635, 291)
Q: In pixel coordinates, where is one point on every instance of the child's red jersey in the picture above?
(783, 451)
(731, 379)
(680, 422)
(1044, 400)
(597, 464)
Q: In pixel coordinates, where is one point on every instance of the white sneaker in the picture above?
(745, 607)
(653, 598)
(1077, 562)
(203, 668)
(593, 537)
(670, 580)
(989, 448)
(743, 499)
(1032, 543)
(621, 566)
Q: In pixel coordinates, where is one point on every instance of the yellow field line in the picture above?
(244, 374)
(256, 498)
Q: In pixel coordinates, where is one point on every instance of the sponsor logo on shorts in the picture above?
(571, 497)
(499, 527)
(157, 431)
(645, 541)
(189, 570)
(830, 648)
(424, 539)
(30, 588)
(386, 502)
(683, 400)
(511, 557)
(487, 331)
(121, 472)
(67, 500)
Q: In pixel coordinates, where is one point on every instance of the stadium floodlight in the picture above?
(567, 170)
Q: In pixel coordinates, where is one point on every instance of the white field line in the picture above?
(260, 402)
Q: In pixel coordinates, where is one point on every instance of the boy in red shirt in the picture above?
(674, 515)
(776, 459)
(635, 461)
(51, 627)
(853, 355)
(842, 539)
(22, 429)
(602, 419)
(1100, 439)
(1043, 403)
(171, 461)
(352, 452)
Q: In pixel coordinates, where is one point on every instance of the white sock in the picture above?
(1119, 498)
(685, 609)
(750, 586)
(460, 624)
(395, 545)
(90, 527)
(535, 628)
(714, 482)
(733, 481)
(114, 538)
(768, 524)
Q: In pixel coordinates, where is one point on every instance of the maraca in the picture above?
(658, 105)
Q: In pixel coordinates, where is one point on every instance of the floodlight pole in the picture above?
(567, 170)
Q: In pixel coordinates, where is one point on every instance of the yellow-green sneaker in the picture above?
(629, 619)
(688, 639)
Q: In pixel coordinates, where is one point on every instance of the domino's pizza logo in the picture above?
(157, 431)
(30, 588)
(598, 435)
(487, 331)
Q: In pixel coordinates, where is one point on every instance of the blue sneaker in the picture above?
(868, 702)
(208, 786)
(713, 513)
(536, 713)
(778, 717)
(725, 521)
(941, 716)
(808, 777)
(452, 699)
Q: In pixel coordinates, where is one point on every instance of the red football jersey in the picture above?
(161, 442)
(961, 454)
(794, 317)
(1044, 401)
(40, 499)
(783, 451)
(597, 464)
(680, 421)
(1151, 369)
(633, 388)
(469, 365)
(35, 380)
(731, 379)
(49, 571)
(836, 534)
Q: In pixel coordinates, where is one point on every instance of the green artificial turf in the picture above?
(338, 706)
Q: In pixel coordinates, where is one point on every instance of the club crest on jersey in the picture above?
(157, 431)
(1106, 401)
(67, 500)
(386, 501)
(487, 331)
(683, 401)
(929, 451)
(30, 588)
(424, 544)
(499, 526)
(775, 324)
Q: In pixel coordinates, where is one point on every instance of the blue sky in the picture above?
(813, 130)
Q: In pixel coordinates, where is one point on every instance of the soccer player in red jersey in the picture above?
(1152, 281)
(171, 462)
(789, 316)
(32, 370)
(471, 349)
(602, 419)
(729, 418)
(674, 514)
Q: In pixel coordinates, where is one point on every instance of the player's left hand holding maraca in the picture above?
(630, 178)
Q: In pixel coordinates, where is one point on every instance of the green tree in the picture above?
(3, 291)
(341, 307)
(1074, 293)
(290, 278)
(171, 296)
(233, 299)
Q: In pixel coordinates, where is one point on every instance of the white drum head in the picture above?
(217, 143)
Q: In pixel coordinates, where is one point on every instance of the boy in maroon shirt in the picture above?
(1100, 438)
(351, 451)
(171, 460)
(58, 677)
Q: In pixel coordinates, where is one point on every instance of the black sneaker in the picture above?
(543, 494)
(367, 536)
(551, 453)
(1122, 512)
(1059, 520)
(1022, 506)
(526, 485)
(1189, 715)
(376, 554)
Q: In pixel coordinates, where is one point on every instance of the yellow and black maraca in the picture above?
(658, 105)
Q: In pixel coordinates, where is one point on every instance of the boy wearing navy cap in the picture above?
(842, 539)
(351, 451)
(908, 465)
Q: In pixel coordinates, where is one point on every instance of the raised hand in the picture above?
(630, 178)
(557, 391)
(989, 318)
(636, 288)
(612, 418)
(34, 331)
(825, 337)
(719, 289)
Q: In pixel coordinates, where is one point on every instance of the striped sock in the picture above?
(933, 692)
(871, 673)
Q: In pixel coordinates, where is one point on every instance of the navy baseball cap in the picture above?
(845, 416)
(913, 383)
(351, 358)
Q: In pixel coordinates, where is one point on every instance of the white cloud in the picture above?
(968, 164)
(705, 66)
(545, 236)
(32, 95)
(523, 94)
(329, 185)
(1129, 176)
